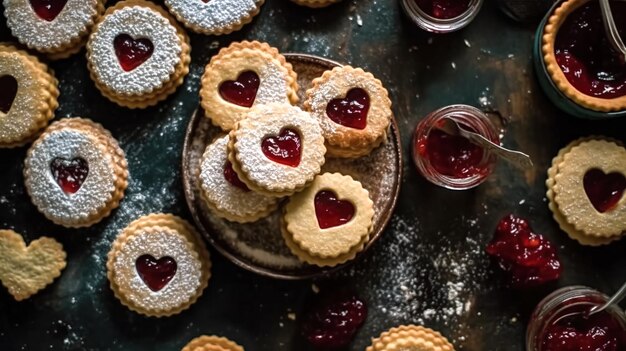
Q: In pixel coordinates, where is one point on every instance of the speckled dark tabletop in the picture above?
(429, 267)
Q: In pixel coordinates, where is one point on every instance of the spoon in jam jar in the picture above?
(517, 158)
(611, 29)
(615, 299)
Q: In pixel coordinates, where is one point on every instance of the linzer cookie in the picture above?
(329, 222)
(277, 150)
(212, 343)
(28, 96)
(244, 75)
(138, 54)
(214, 17)
(315, 3)
(58, 28)
(75, 173)
(410, 337)
(586, 186)
(224, 193)
(353, 109)
(24, 270)
(158, 266)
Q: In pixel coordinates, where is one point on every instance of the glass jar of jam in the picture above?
(561, 323)
(441, 16)
(452, 161)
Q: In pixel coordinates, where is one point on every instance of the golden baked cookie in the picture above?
(158, 266)
(224, 193)
(28, 96)
(277, 150)
(315, 3)
(56, 28)
(138, 54)
(212, 343)
(410, 337)
(244, 75)
(75, 172)
(353, 109)
(330, 221)
(24, 270)
(214, 17)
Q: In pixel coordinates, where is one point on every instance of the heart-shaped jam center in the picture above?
(350, 111)
(330, 211)
(156, 273)
(232, 177)
(242, 91)
(131, 53)
(8, 92)
(604, 190)
(69, 174)
(48, 9)
(284, 148)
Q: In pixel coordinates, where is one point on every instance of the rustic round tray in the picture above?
(259, 246)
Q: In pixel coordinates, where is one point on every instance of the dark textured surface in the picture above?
(429, 267)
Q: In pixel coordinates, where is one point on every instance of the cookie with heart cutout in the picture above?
(353, 109)
(330, 221)
(28, 96)
(25, 270)
(158, 265)
(212, 343)
(215, 17)
(138, 54)
(57, 28)
(75, 172)
(243, 75)
(277, 149)
(410, 337)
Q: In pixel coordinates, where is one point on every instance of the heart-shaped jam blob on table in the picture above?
(232, 177)
(156, 273)
(48, 9)
(69, 174)
(241, 92)
(285, 148)
(8, 92)
(330, 211)
(604, 190)
(130, 52)
(352, 110)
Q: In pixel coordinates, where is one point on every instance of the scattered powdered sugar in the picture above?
(214, 16)
(273, 84)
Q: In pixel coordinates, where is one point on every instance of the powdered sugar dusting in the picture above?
(273, 87)
(214, 16)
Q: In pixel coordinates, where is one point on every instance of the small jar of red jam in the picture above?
(441, 16)
(452, 161)
(561, 323)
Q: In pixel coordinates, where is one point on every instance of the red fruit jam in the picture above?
(48, 9)
(131, 53)
(585, 56)
(350, 111)
(529, 258)
(452, 155)
(156, 273)
(444, 9)
(330, 211)
(333, 320)
(232, 177)
(69, 174)
(242, 91)
(284, 148)
(604, 190)
(8, 92)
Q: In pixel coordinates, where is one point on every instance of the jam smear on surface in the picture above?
(284, 148)
(48, 9)
(8, 92)
(604, 190)
(232, 177)
(444, 9)
(69, 174)
(156, 273)
(350, 111)
(585, 56)
(529, 258)
(330, 211)
(131, 53)
(241, 92)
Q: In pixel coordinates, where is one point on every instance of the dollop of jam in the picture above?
(285, 148)
(529, 258)
(585, 56)
(443, 9)
(132, 53)
(242, 91)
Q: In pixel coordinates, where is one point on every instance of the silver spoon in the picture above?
(611, 28)
(517, 158)
(615, 299)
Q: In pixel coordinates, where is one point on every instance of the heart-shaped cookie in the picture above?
(242, 91)
(130, 52)
(24, 270)
(284, 148)
(8, 92)
(330, 211)
(48, 9)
